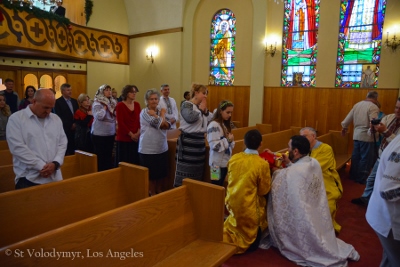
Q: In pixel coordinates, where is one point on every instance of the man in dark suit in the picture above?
(58, 9)
(65, 108)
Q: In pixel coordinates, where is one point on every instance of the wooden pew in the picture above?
(172, 136)
(277, 141)
(3, 144)
(5, 157)
(180, 227)
(239, 133)
(339, 145)
(79, 164)
(36, 210)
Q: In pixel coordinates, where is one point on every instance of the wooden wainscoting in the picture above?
(240, 97)
(321, 108)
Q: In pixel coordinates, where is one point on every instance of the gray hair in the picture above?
(373, 95)
(65, 86)
(164, 85)
(149, 93)
(310, 129)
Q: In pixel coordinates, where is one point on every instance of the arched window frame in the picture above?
(358, 60)
(299, 46)
(222, 48)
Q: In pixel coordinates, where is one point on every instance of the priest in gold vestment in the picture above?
(249, 180)
(323, 153)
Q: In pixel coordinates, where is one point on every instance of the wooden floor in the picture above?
(355, 230)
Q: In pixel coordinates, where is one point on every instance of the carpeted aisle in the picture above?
(355, 230)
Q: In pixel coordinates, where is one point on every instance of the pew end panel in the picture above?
(237, 124)
(215, 195)
(6, 157)
(169, 181)
(3, 145)
(239, 133)
(173, 133)
(163, 230)
(79, 164)
(7, 178)
(135, 179)
(340, 142)
(264, 128)
(296, 129)
(277, 141)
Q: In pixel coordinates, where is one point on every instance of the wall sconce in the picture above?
(271, 50)
(151, 52)
(151, 58)
(393, 43)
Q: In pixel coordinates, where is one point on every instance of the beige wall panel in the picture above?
(166, 67)
(116, 75)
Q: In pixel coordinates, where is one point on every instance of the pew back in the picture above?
(79, 164)
(6, 157)
(180, 227)
(339, 145)
(3, 145)
(39, 209)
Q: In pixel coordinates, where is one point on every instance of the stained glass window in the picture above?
(299, 53)
(222, 48)
(360, 41)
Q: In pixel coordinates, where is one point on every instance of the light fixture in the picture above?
(31, 2)
(393, 43)
(151, 52)
(150, 57)
(271, 50)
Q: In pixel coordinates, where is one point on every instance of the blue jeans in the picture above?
(362, 159)
(371, 181)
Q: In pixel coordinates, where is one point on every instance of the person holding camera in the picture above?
(362, 157)
(388, 128)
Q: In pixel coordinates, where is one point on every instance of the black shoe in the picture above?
(362, 201)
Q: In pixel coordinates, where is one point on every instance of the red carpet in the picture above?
(355, 231)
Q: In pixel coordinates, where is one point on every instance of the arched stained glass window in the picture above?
(300, 30)
(222, 48)
(360, 41)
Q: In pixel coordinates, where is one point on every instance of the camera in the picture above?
(375, 121)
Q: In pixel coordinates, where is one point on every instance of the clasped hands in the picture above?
(48, 170)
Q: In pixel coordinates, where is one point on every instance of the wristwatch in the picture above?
(56, 164)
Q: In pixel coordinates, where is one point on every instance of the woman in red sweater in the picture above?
(128, 126)
(83, 119)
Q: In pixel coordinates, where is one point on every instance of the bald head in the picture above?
(43, 103)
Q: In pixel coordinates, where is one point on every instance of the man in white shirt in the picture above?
(37, 142)
(383, 211)
(170, 106)
(362, 158)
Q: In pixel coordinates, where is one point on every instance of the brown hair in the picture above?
(197, 88)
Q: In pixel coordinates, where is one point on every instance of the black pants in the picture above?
(127, 152)
(103, 148)
(24, 183)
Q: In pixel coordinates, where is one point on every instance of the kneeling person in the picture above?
(249, 180)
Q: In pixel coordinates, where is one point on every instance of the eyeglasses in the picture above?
(133, 92)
